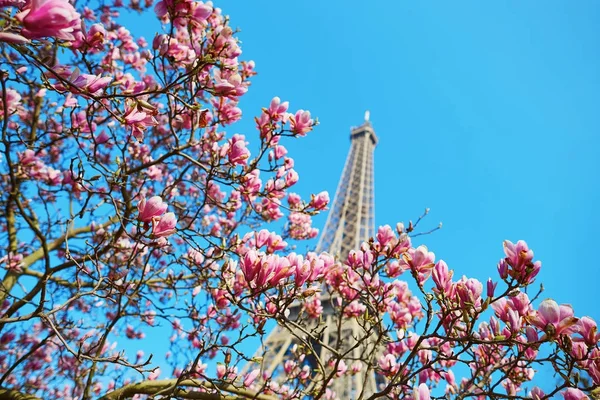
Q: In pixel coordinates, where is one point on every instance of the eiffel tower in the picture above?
(350, 222)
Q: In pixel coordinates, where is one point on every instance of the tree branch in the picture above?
(154, 387)
(11, 394)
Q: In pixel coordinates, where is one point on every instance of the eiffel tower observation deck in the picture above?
(350, 222)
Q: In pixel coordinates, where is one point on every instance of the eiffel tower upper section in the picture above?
(351, 220)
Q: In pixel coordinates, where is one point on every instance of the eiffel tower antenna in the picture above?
(350, 222)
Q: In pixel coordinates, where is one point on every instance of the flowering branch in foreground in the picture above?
(145, 247)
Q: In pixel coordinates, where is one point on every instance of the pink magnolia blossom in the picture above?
(579, 351)
(531, 334)
(449, 377)
(518, 263)
(469, 292)
(139, 120)
(274, 242)
(491, 287)
(319, 201)
(300, 226)
(281, 270)
(164, 226)
(154, 374)
(12, 262)
(200, 11)
(226, 110)
(588, 330)
(49, 18)
(250, 264)
(95, 36)
(9, 37)
(356, 367)
(251, 377)
(360, 259)
(421, 392)
(313, 305)
(265, 270)
(420, 260)
(231, 86)
(279, 151)
(519, 303)
(13, 103)
(92, 84)
(554, 319)
(442, 277)
(152, 208)
(226, 373)
(260, 238)
(291, 178)
(302, 268)
(277, 109)
(102, 138)
(238, 153)
(181, 11)
(388, 364)
(514, 322)
(301, 123)
(593, 365)
(537, 394)
(385, 235)
(393, 269)
(77, 82)
(354, 309)
(574, 394)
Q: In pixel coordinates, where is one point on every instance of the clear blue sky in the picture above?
(487, 112)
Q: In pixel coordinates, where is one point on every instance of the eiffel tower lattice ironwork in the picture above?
(350, 222)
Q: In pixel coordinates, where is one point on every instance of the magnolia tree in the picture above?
(145, 250)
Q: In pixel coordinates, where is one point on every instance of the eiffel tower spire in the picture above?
(350, 222)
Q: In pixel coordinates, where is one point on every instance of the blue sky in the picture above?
(487, 112)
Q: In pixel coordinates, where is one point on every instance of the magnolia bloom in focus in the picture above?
(574, 394)
(301, 123)
(138, 119)
(319, 201)
(554, 319)
(277, 109)
(237, 152)
(152, 208)
(518, 263)
(588, 329)
(92, 84)
(164, 226)
(49, 18)
(76, 82)
(420, 260)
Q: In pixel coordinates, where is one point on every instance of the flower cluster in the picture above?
(153, 211)
(112, 143)
(43, 19)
